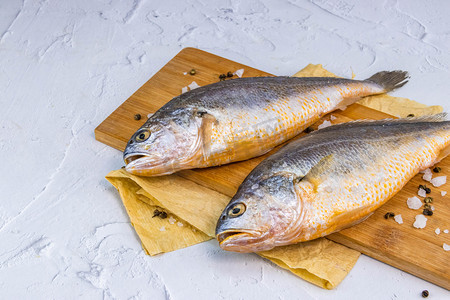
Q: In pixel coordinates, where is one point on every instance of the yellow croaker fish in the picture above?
(239, 119)
(329, 180)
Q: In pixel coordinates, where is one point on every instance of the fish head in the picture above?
(261, 216)
(164, 145)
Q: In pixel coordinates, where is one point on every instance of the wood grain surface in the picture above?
(416, 251)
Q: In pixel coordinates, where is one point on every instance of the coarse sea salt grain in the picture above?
(438, 181)
(185, 73)
(184, 89)
(446, 247)
(428, 175)
(421, 221)
(325, 124)
(193, 85)
(180, 224)
(443, 193)
(398, 219)
(414, 203)
(437, 231)
(239, 73)
(422, 192)
(445, 230)
(172, 220)
(163, 228)
(149, 115)
(332, 118)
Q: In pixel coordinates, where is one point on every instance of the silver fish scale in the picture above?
(353, 145)
(252, 92)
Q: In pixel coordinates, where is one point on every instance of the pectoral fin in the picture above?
(205, 131)
(317, 174)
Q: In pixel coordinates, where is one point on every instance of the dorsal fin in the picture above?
(437, 118)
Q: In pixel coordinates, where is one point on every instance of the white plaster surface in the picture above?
(66, 65)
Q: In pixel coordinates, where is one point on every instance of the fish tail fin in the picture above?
(390, 80)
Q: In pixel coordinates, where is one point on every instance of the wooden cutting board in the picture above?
(416, 251)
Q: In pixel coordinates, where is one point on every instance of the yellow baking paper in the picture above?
(193, 210)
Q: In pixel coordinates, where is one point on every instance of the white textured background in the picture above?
(66, 65)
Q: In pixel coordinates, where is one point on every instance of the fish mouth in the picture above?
(222, 237)
(237, 240)
(147, 165)
(132, 157)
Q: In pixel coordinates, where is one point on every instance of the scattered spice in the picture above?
(222, 77)
(422, 193)
(309, 129)
(229, 74)
(414, 202)
(193, 85)
(192, 72)
(427, 212)
(398, 219)
(425, 293)
(239, 73)
(137, 117)
(420, 222)
(425, 188)
(158, 213)
(410, 116)
(428, 200)
(389, 215)
(428, 175)
(325, 124)
(438, 181)
(436, 169)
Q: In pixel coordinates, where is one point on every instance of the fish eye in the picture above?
(142, 135)
(236, 210)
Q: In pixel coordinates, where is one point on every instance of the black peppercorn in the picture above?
(229, 74)
(428, 200)
(436, 169)
(192, 72)
(425, 293)
(389, 215)
(410, 116)
(308, 130)
(137, 117)
(427, 212)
